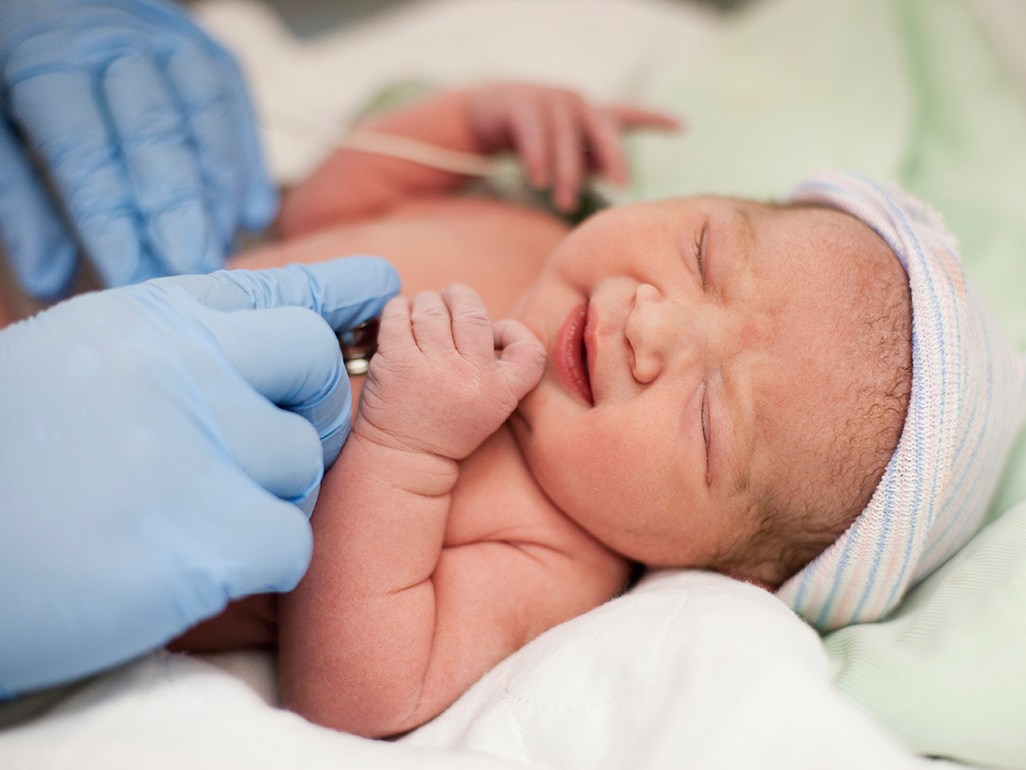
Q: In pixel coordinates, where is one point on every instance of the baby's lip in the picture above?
(572, 356)
(590, 345)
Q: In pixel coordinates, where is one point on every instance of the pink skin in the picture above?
(718, 347)
(560, 137)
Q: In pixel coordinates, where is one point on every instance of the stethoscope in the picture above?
(359, 344)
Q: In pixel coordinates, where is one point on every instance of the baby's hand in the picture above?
(559, 136)
(444, 377)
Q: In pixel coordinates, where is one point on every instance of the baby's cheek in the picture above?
(558, 457)
(752, 333)
(606, 455)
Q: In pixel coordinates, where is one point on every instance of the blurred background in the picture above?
(310, 17)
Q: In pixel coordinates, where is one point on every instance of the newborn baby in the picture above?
(706, 383)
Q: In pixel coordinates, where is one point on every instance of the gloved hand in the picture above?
(146, 475)
(125, 133)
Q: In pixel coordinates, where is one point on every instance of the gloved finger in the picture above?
(58, 112)
(292, 358)
(279, 450)
(522, 356)
(212, 94)
(38, 246)
(345, 292)
(260, 201)
(161, 166)
(569, 156)
(471, 327)
(207, 108)
(431, 322)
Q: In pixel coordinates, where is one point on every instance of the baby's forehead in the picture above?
(832, 397)
(839, 230)
(834, 257)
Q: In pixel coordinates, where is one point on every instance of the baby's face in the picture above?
(700, 353)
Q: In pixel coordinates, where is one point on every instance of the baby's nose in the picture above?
(646, 331)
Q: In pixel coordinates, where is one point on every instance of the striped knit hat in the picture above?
(965, 408)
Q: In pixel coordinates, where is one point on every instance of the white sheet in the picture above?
(688, 670)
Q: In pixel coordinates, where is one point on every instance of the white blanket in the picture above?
(688, 670)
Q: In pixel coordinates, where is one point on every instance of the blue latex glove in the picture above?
(125, 133)
(146, 476)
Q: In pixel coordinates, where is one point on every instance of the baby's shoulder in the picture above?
(497, 498)
(506, 535)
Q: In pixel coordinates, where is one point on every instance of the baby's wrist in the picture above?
(387, 437)
(401, 462)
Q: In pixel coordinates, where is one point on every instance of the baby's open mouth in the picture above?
(571, 354)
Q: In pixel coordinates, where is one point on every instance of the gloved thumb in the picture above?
(291, 358)
(344, 292)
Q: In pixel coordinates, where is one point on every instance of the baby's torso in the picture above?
(493, 246)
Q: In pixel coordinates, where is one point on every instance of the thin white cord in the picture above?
(433, 156)
(404, 148)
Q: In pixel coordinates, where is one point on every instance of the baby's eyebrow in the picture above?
(741, 439)
(746, 236)
(741, 472)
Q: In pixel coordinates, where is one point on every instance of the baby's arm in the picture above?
(389, 627)
(559, 136)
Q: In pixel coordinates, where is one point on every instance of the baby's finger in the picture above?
(604, 138)
(395, 331)
(471, 326)
(631, 116)
(432, 324)
(569, 156)
(522, 356)
(529, 139)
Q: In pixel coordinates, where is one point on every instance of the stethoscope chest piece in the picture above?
(359, 344)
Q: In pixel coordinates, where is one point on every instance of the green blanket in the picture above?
(909, 90)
